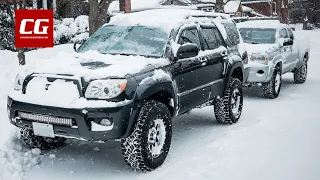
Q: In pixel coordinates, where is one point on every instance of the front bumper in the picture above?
(82, 119)
(258, 72)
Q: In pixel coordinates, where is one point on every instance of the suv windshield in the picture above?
(258, 35)
(127, 40)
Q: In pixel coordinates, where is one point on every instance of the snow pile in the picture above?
(71, 30)
(15, 159)
(231, 7)
(158, 75)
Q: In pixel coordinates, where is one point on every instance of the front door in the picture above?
(294, 50)
(286, 52)
(188, 74)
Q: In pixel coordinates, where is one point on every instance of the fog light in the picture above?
(105, 122)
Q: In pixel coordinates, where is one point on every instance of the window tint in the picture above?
(233, 35)
(218, 37)
(283, 33)
(290, 33)
(189, 36)
(209, 38)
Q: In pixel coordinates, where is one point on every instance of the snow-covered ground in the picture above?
(274, 139)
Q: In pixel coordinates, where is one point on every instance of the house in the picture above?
(236, 9)
(269, 8)
(204, 5)
(138, 5)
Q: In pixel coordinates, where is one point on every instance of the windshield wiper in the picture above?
(252, 42)
(127, 54)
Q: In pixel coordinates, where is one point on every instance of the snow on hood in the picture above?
(260, 48)
(93, 65)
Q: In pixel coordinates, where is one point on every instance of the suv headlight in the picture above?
(18, 82)
(105, 89)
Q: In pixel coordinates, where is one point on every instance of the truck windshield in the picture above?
(127, 40)
(258, 35)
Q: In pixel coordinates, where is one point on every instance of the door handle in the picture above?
(203, 59)
(224, 53)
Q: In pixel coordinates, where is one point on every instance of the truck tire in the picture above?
(300, 73)
(228, 110)
(149, 143)
(272, 89)
(43, 143)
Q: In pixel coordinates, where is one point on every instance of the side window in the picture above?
(189, 36)
(233, 35)
(283, 33)
(209, 38)
(218, 37)
(290, 33)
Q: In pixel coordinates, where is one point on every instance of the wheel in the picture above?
(228, 110)
(148, 145)
(272, 89)
(300, 73)
(40, 142)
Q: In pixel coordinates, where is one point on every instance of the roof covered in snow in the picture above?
(207, 1)
(261, 24)
(167, 19)
(247, 9)
(143, 4)
(231, 6)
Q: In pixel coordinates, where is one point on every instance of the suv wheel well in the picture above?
(237, 73)
(163, 97)
(306, 56)
(279, 64)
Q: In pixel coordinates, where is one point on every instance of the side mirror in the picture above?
(293, 28)
(288, 42)
(188, 50)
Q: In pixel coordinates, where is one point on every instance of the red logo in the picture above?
(34, 28)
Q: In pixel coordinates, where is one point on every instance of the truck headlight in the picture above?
(18, 82)
(105, 89)
(259, 57)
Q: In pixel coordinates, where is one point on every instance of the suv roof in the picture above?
(166, 19)
(262, 24)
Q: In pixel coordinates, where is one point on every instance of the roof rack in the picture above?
(242, 19)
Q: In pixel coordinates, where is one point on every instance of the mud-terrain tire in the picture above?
(43, 143)
(228, 110)
(272, 89)
(149, 143)
(300, 73)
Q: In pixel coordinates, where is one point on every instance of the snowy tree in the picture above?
(98, 14)
(6, 26)
(10, 27)
(219, 6)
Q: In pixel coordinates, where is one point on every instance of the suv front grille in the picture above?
(46, 119)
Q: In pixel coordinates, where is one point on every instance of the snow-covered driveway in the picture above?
(274, 140)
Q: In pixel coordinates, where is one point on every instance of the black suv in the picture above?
(188, 64)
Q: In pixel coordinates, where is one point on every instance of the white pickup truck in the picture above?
(272, 49)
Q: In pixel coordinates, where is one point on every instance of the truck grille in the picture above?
(46, 119)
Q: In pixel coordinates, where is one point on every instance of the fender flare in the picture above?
(143, 92)
(232, 69)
